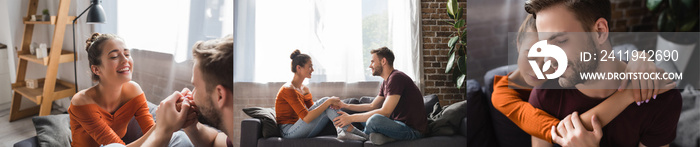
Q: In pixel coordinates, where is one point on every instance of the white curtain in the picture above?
(329, 31)
(162, 30)
(404, 31)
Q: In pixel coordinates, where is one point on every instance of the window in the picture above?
(338, 35)
(168, 26)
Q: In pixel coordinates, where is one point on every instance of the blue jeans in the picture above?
(301, 129)
(378, 123)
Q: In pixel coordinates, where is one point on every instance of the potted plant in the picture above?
(676, 16)
(457, 63)
(47, 16)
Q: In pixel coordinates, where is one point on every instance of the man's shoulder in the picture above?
(399, 76)
(671, 98)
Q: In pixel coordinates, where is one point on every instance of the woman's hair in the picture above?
(528, 24)
(298, 59)
(94, 49)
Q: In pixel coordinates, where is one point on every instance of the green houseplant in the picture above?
(675, 15)
(47, 17)
(457, 62)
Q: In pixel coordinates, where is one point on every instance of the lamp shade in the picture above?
(96, 14)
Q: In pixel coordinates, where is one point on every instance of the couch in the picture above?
(251, 134)
(58, 131)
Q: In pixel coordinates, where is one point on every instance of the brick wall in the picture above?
(631, 16)
(436, 33)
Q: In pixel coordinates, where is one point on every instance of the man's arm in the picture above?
(376, 104)
(386, 109)
(537, 142)
(201, 135)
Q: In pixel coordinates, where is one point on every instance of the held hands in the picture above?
(336, 103)
(177, 111)
(170, 117)
(192, 115)
(645, 89)
(571, 132)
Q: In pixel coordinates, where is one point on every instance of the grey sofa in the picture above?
(251, 135)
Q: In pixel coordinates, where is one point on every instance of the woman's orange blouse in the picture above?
(93, 126)
(513, 103)
(291, 105)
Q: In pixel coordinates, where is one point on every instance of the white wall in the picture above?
(11, 33)
(6, 68)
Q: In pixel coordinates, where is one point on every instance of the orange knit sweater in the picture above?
(513, 103)
(290, 105)
(93, 126)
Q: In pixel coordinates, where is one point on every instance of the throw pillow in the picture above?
(53, 130)
(267, 118)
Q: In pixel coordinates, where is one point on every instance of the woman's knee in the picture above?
(322, 99)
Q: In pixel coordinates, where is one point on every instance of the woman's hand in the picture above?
(571, 132)
(305, 90)
(168, 117)
(192, 115)
(645, 89)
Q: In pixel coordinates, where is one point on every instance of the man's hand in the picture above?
(168, 117)
(342, 120)
(645, 89)
(571, 132)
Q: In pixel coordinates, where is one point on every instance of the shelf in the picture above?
(61, 90)
(52, 22)
(66, 56)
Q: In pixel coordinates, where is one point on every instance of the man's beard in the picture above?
(209, 115)
(580, 67)
(377, 71)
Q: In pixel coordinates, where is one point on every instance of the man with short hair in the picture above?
(205, 110)
(582, 26)
(397, 113)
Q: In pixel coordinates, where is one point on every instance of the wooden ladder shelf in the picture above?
(50, 88)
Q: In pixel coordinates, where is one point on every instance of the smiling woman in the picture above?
(99, 115)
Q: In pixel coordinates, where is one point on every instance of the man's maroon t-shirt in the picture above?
(652, 124)
(410, 109)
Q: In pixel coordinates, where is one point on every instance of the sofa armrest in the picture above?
(251, 131)
(29, 142)
(464, 126)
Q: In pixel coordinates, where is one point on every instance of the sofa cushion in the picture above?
(267, 118)
(53, 130)
(429, 102)
(506, 132)
(479, 122)
(319, 141)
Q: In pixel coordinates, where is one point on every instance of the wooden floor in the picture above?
(13, 132)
